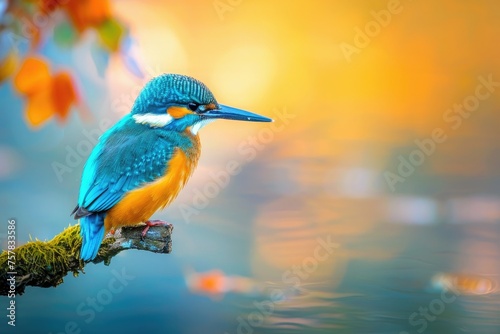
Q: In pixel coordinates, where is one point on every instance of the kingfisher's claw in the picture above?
(150, 223)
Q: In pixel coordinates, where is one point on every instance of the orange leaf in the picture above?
(39, 108)
(63, 94)
(87, 13)
(32, 77)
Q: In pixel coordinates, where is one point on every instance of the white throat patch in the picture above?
(197, 126)
(154, 120)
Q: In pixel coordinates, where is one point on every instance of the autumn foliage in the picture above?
(50, 93)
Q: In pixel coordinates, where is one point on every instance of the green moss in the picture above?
(47, 260)
(45, 263)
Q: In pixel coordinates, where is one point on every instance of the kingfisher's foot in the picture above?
(150, 223)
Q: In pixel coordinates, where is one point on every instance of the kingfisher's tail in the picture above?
(92, 232)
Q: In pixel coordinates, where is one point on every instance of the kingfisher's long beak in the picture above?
(226, 112)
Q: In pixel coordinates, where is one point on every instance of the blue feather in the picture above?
(92, 232)
(110, 173)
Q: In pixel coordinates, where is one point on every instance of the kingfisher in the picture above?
(141, 163)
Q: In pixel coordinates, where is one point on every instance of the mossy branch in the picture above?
(45, 263)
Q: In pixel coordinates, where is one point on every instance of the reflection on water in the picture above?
(406, 293)
(463, 284)
(425, 258)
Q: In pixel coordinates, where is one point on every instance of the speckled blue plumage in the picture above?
(171, 89)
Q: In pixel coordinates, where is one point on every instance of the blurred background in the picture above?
(371, 205)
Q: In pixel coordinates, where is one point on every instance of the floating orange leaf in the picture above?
(32, 77)
(63, 94)
(212, 283)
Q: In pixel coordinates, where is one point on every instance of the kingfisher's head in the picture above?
(178, 102)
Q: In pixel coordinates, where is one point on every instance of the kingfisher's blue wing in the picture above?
(124, 159)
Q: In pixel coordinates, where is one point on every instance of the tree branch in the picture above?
(45, 263)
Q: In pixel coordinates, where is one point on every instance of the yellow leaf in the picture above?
(8, 65)
(110, 34)
(40, 108)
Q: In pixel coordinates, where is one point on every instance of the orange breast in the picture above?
(140, 204)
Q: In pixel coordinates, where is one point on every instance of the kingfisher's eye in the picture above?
(193, 106)
(202, 109)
